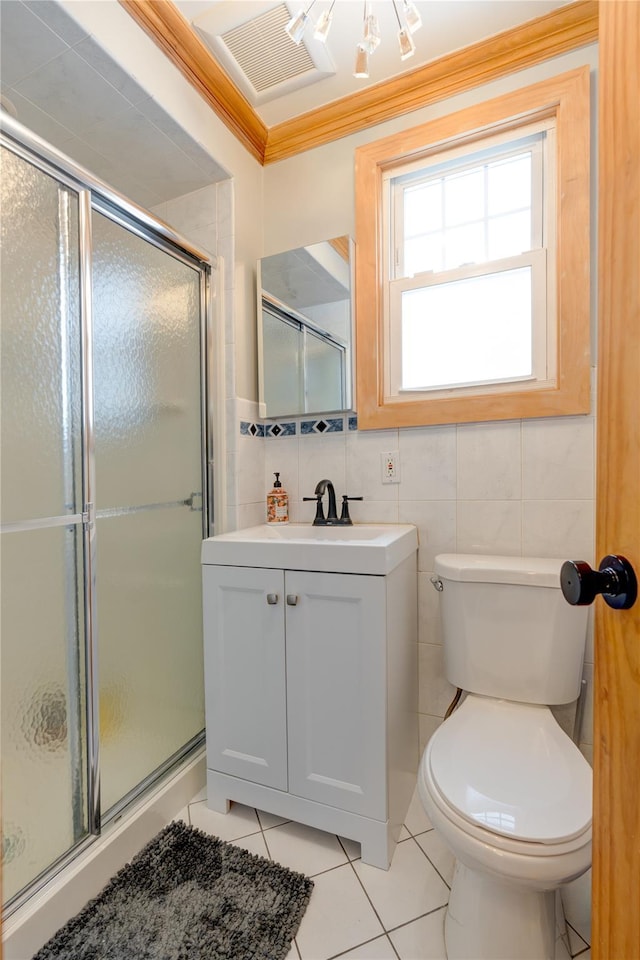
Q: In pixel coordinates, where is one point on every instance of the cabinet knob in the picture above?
(272, 598)
(292, 599)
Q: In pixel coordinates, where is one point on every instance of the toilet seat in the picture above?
(507, 769)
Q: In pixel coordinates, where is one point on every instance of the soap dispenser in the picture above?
(277, 503)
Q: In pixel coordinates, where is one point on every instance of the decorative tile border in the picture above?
(291, 428)
(251, 429)
(280, 429)
(322, 426)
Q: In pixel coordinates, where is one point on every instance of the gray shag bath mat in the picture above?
(188, 896)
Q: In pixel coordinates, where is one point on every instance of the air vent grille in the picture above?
(264, 52)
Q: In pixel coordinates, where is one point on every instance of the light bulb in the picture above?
(407, 46)
(371, 38)
(361, 69)
(411, 16)
(323, 25)
(295, 27)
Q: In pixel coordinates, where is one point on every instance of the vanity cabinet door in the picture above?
(336, 690)
(245, 673)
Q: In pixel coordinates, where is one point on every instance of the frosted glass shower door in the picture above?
(44, 753)
(148, 448)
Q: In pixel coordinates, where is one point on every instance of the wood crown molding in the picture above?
(567, 28)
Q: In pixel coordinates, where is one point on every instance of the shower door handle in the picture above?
(615, 579)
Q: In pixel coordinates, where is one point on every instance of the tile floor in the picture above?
(358, 911)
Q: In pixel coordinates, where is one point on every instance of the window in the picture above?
(472, 293)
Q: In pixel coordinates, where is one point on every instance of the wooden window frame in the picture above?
(565, 97)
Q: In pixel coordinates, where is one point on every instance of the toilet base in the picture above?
(490, 920)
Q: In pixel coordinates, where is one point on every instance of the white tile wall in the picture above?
(514, 488)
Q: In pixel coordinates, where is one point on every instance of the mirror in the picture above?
(305, 340)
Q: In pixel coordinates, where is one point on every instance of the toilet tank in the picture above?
(507, 630)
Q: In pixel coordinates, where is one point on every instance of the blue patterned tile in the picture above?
(335, 425)
(353, 423)
(251, 429)
(280, 429)
(323, 425)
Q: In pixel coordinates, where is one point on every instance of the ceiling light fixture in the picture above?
(370, 35)
(412, 18)
(361, 69)
(323, 25)
(405, 40)
(295, 27)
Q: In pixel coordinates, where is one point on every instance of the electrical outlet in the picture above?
(390, 466)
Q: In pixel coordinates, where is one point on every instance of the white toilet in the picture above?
(507, 789)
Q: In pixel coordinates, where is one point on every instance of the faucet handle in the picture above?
(344, 515)
(319, 517)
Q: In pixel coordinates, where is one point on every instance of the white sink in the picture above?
(369, 548)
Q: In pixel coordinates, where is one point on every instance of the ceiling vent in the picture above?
(258, 54)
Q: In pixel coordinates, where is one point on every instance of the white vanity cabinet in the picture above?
(311, 696)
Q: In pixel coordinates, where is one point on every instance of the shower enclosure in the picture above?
(103, 501)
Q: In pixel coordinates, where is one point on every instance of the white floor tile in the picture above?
(421, 940)
(183, 815)
(378, 949)
(239, 822)
(200, 795)
(304, 849)
(439, 854)
(416, 820)
(338, 918)
(409, 888)
(404, 834)
(576, 899)
(293, 952)
(354, 851)
(576, 943)
(268, 820)
(254, 843)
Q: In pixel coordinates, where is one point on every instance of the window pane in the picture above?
(509, 184)
(464, 197)
(423, 208)
(468, 331)
(422, 254)
(464, 245)
(509, 235)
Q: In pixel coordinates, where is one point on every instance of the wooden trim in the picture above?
(568, 98)
(616, 811)
(173, 33)
(341, 246)
(558, 32)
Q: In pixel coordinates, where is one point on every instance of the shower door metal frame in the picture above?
(93, 194)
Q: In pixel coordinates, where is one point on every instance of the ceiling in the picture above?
(448, 25)
(71, 93)
(63, 86)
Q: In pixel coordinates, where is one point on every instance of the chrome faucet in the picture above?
(331, 519)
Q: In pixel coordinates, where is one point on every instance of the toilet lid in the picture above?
(509, 768)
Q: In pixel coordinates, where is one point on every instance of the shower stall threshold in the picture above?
(25, 931)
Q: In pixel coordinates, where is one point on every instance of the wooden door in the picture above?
(336, 690)
(616, 841)
(244, 670)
